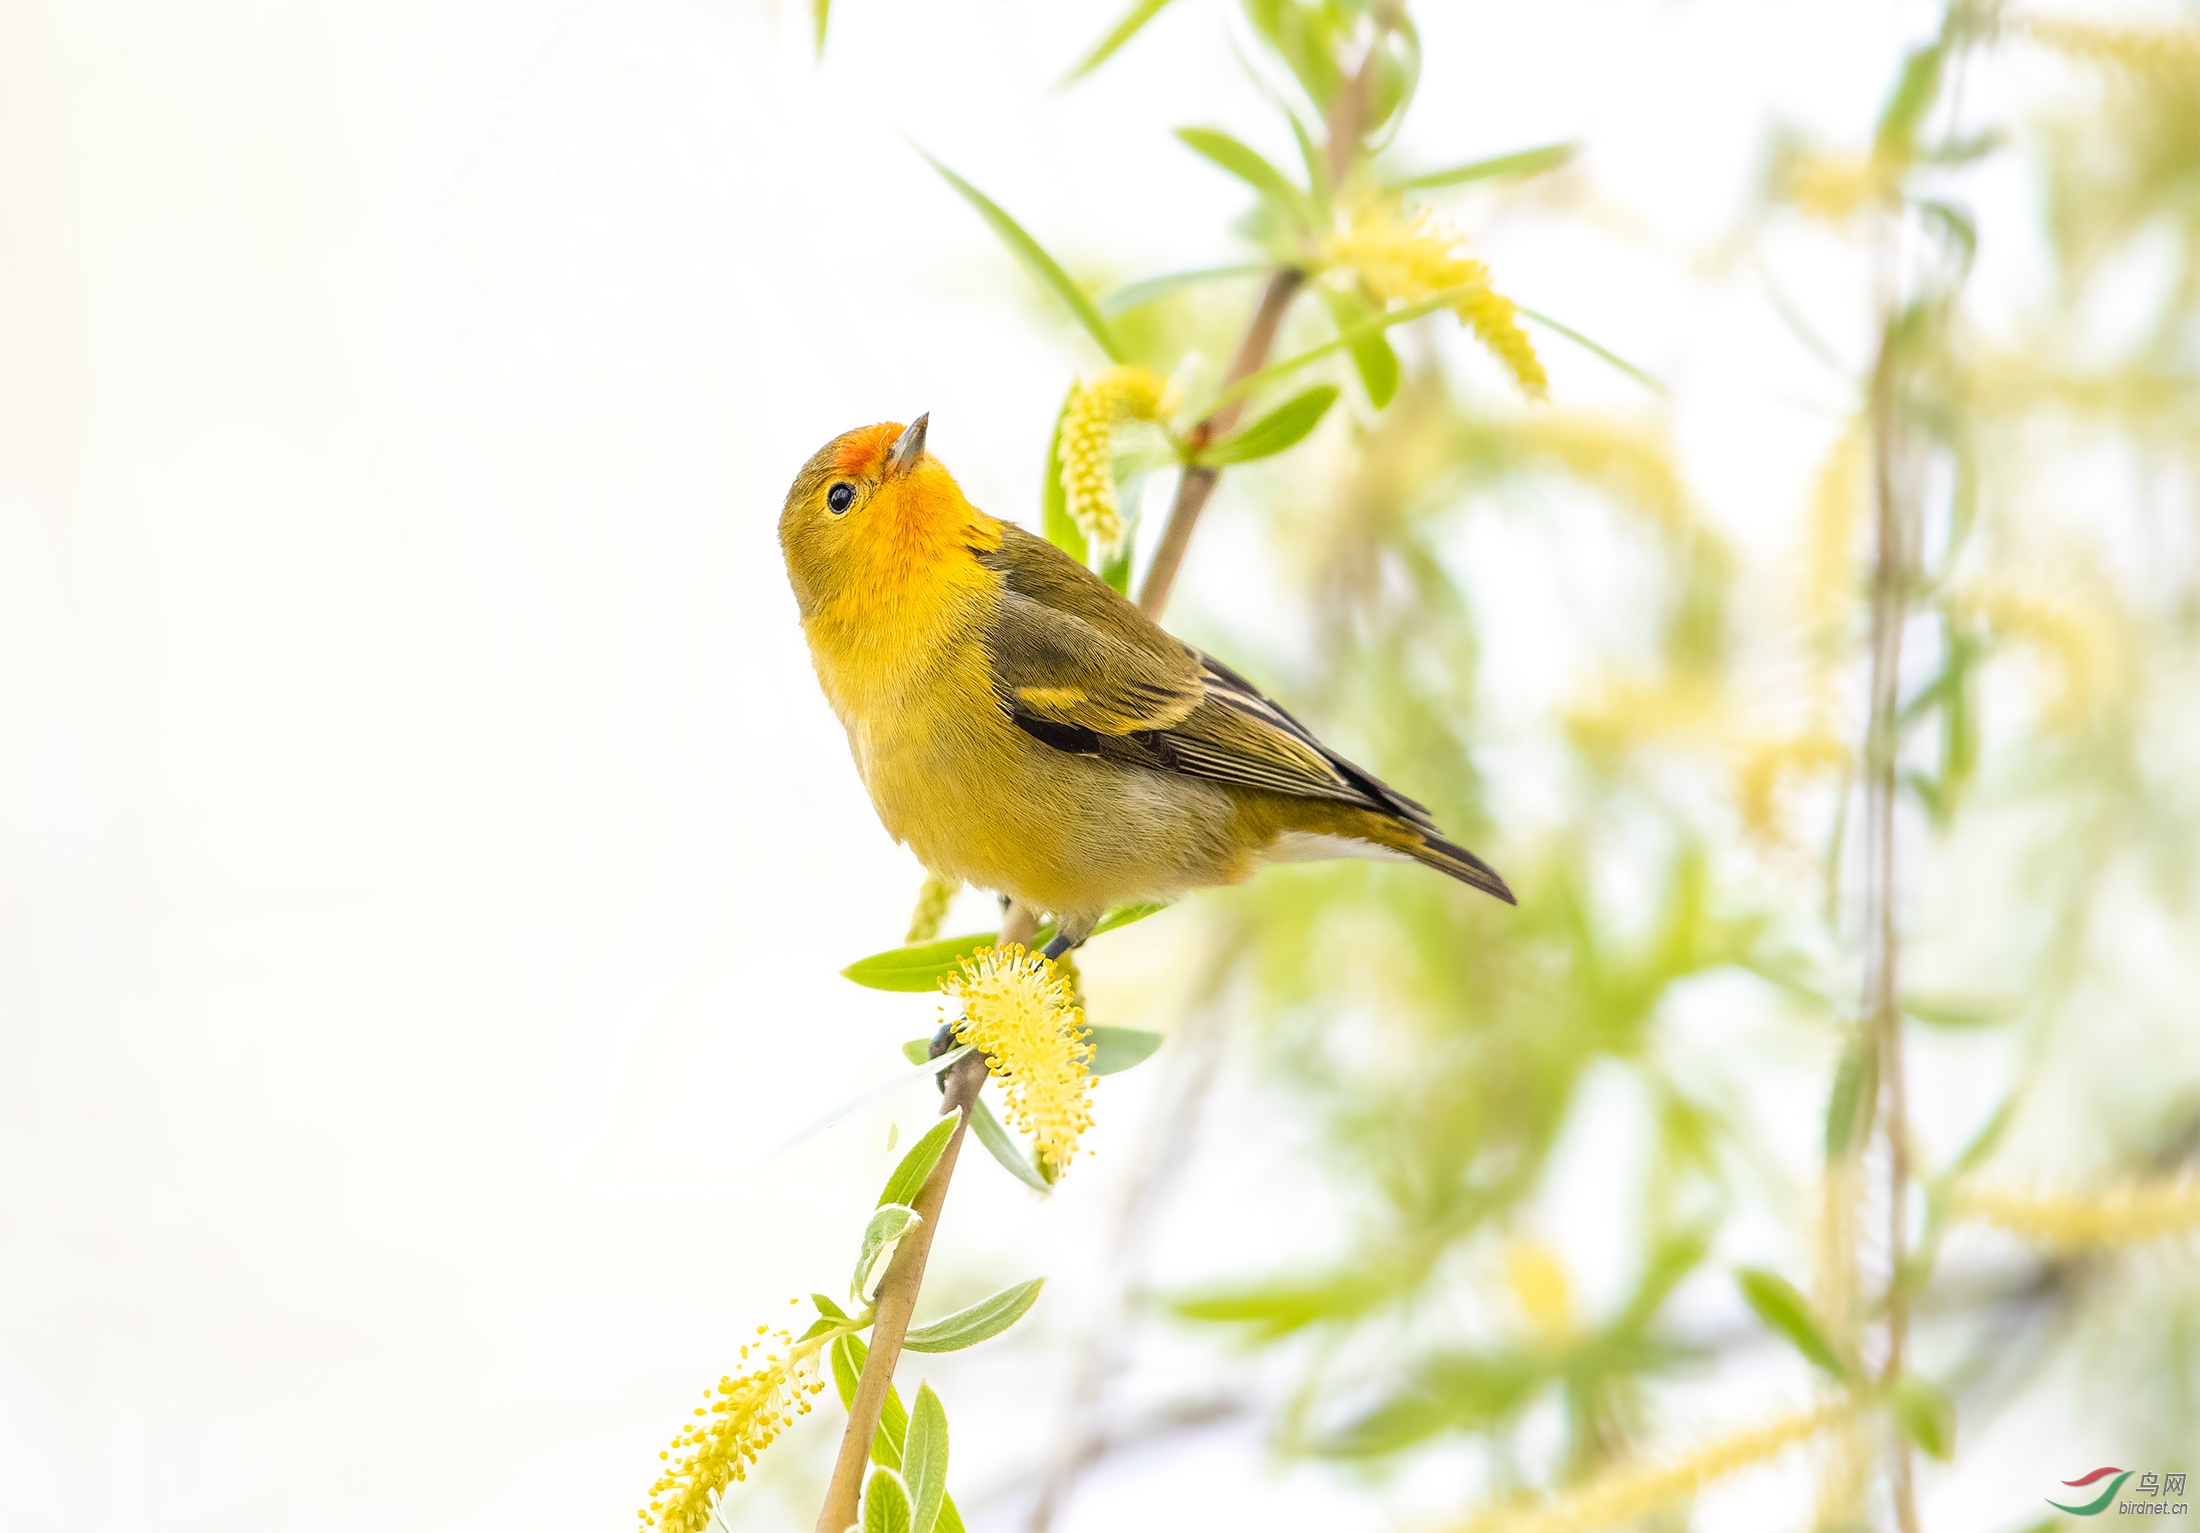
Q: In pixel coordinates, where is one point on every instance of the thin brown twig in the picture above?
(1198, 480)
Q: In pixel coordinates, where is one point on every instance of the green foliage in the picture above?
(1002, 1146)
(916, 1166)
(1275, 188)
(888, 1443)
(922, 965)
(1372, 357)
(1040, 264)
(1135, 19)
(1283, 427)
(1926, 1415)
(1784, 1310)
(980, 1322)
(885, 1503)
(886, 1226)
(1520, 163)
(1055, 522)
(924, 1460)
(1115, 1049)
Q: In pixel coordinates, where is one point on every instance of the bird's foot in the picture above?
(1071, 934)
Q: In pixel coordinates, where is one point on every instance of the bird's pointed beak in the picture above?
(907, 448)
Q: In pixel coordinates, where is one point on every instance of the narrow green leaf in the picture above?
(1117, 571)
(1252, 383)
(1895, 138)
(893, 1420)
(924, 1459)
(917, 1051)
(1133, 20)
(1782, 1307)
(922, 965)
(1116, 1049)
(1647, 380)
(909, 1176)
(1986, 1140)
(1004, 1149)
(985, 1319)
(887, 1225)
(1283, 427)
(1123, 299)
(1926, 1415)
(1060, 527)
(1523, 162)
(1960, 1011)
(1316, 163)
(1855, 1097)
(1248, 165)
(1372, 357)
(1129, 915)
(827, 1309)
(1035, 258)
(885, 1503)
(819, 1327)
(820, 12)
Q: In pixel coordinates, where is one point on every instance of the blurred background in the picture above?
(426, 858)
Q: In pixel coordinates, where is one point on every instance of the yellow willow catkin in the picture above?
(1540, 1287)
(1404, 259)
(739, 1420)
(1834, 185)
(1088, 441)
(1623, 1495)
(2141, 48)
(2078, 629)
(2120, 1213)
(1018, 1009)
(932, 902)
(1766, 765)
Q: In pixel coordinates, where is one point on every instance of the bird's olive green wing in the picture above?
(1080, 668)
(1068, 651)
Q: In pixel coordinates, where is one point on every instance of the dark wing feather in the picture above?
(1080, 668)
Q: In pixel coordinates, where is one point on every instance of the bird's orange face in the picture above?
(873, 520)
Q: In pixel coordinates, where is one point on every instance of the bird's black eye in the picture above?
(838, 497)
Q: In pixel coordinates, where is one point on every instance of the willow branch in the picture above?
(1346, 115)
(896, 1302)
(1198, 481)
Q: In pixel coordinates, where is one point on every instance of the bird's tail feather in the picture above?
(1446, 857)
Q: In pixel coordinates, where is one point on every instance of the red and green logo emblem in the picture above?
(2100, 1503)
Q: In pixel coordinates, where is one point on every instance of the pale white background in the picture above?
(424, 855)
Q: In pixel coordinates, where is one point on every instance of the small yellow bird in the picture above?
(1023, 728)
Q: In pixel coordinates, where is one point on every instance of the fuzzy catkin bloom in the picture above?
(1018, 1010)
(1403, 260)
(1088, 439)
(2121, 1213)
(932, 902)
(2078, 629)
(2138, 48)
(1623, 1496)
(1540, 1286)
(740, 1419)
